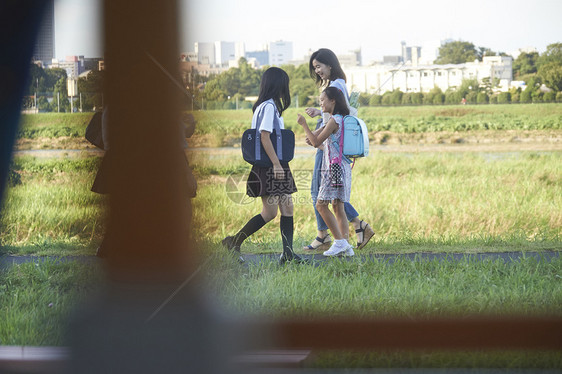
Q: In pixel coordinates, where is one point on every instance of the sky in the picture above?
(377, 27)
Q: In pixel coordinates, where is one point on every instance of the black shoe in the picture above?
(228, 243)
(284, 258)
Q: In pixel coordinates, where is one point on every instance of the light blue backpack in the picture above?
(353, 141)
(355, 137)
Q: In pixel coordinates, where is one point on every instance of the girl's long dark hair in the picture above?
(340, 106)
(327, 57)
(274, 85)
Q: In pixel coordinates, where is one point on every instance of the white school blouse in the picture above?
(268, 116)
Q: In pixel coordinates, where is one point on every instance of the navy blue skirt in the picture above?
(261, 182)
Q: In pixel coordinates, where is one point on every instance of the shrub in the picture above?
(494, 99)
(525, 96)
(471, 97)
(549, 97)
(504, 98)
(364, 99)
(559, 97)
(439, 99)
(482, 98)
(536, 96)
(375, 100)
(417, 98)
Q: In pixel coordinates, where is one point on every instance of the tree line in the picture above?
(228, 90)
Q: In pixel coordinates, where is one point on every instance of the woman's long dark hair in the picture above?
(274, 85)
(340, 107)
(327, 57)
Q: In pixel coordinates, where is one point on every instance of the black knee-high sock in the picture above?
(253, 225)
(286, 227)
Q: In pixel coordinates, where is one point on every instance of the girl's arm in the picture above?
(313, 112)
(318, 137)
(278, 172)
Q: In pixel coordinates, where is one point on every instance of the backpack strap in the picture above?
(276, 128)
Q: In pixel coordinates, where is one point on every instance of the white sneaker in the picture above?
(339, 248)
(349, 251)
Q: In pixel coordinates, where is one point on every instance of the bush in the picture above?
(525, 96)
(406, 99)
(471, 97)
(417, 98)
(559, 97)
(453, 97)
(482, 98)
(504, 98)
(494, 99)
(549, 97)
(438, 99)
(364, 99)
(375, 100)
(515, 97)
(536, 96)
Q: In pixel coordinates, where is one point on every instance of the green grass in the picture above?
(53, 125)
(218, 128)
(37, 300)
(414, 202)
(403, 288)
(52, 211)
(439, 202)
(225, 127)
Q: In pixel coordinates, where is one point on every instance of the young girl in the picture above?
(325, 69)
(273, 184)
(333, 102)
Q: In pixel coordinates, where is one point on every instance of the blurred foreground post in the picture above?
(134, 329)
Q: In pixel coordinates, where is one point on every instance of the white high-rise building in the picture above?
(280, 53)
(205, 53)
(224, 52)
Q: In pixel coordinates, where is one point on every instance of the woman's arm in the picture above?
(318, 137)
(313, 112)
(278, 172)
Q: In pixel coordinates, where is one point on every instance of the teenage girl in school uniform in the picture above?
(335, 188)
(325, 69)
(275, 184)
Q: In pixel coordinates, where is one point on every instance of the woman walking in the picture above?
(325, 69)
(274, 184)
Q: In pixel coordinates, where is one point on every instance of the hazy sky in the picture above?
(377, 27)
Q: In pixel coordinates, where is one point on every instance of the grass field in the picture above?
(416, 202)
(217, 128)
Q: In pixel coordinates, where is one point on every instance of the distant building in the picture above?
(412, 54)
(45, 43)
(350, 59)
(393, 60)
(205, 53)
(422, 78)
(280, 52)
(262, 57)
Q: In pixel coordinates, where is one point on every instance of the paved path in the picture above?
(7, 261)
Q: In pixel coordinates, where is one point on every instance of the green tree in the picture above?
(551, 74)
(60, 97)
(559, 97)
(553, 53)
(91, 89)
(504, 98)
(457, 52)
(525, 63)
